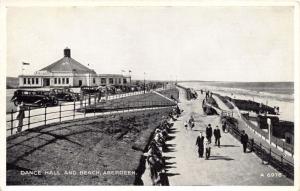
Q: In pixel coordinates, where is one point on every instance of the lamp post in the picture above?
(129, 77)
(89, 84)
(269, 128)
(144, 82)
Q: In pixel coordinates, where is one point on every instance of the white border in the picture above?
(61, 3)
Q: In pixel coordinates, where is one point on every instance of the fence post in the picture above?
(262, 153)
(84, 108)
(74, 108)
(270, 156)
(11, 122)
(45, 114)
(94, 110)
(29, 117)
(59, 113)
(281, 162)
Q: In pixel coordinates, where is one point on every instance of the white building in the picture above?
(67, 72)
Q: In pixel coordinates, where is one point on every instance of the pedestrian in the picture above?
(99, 92)
(200, 144)
(217, 135)
(186, 125)
(244, 140)
(20, 116)
(224, 126)
(191, 122)
(208, 132)
(178, 111)
(207, 146)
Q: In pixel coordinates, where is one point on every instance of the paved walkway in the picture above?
(228, 165)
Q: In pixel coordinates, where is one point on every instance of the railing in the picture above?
(189, 94)
(276, 142)
(86, 108)
(268, 155)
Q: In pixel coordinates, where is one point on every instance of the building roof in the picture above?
(68, 64)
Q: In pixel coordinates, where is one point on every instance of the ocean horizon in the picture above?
(286, 88)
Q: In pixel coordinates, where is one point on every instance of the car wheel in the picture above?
(41, 104)
(55, 102)
(16, 102)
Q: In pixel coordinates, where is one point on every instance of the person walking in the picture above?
(191, 122)
(217, 135)
(207, 146)
(186, 125)
(208, 132)
(200, 144)
(224, 126)
(20, 116)
(244, 140)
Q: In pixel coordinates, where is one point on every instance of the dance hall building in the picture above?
(67, 72)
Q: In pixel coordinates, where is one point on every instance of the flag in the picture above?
(24, 63)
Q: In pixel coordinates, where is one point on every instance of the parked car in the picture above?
(38, 98)
(89, 89)
(65, 94)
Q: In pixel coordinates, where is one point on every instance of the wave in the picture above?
(288, 97)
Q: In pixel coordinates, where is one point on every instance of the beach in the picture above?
(262, 95)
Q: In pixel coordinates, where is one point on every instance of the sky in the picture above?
(167, 43)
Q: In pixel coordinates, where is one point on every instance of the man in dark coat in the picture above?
(200, 144)
(208, 133)
(217, 135)
(244, 140)
(224, 127)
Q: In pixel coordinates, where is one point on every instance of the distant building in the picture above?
(67, 72)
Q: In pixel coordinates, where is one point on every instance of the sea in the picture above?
(279, 94)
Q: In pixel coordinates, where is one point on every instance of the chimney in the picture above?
(67, 52)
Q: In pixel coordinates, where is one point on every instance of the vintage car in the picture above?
(89, 90)
(65, 94)
(37, 98)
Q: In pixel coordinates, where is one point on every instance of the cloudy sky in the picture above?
(187, 43)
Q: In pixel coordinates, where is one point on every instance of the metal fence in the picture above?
(74, 110)
(268, 155)
(276, 142)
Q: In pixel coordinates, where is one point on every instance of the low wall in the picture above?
(96, 143)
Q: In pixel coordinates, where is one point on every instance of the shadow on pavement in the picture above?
(229, 146)
(220, 158)
(172, 174)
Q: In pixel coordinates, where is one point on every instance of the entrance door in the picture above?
(46, 82)
(80, 83)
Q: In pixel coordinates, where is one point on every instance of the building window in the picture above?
(55, 80)
(24, 80)
(103, 80)
(28, 80)
(111, 80)
(58, 80)
(119, 80)
(124, 81)
(94, 80)
(63, 80)
(67, 80)
(32, 80)
(36, 80)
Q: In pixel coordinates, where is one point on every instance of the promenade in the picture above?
(228, 165)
